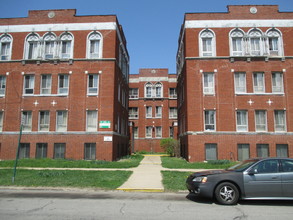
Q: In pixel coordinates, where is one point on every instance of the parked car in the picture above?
(269, 178)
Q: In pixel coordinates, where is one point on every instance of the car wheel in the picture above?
(227, 193)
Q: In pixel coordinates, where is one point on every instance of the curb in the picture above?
(140, 190)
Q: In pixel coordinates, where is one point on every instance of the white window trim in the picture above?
(10, 49)
(72, 45)
(33, 86)
(160, 115)
(133, 96)
(146, 129)
(264, 83)
(231, 42)
(38, 47)
(280, 42)
(136, 116)
(245, 87)
(156, 132)
(282, 83)
(146, 112)
(27, 125)
(210, 90)
(96, 124)
(39, 122)
(285, 120)
(41, 88)
(66, 123)
(246, 116)
(88, 82)
(88, 51)
(63, 94)
(215, 120)
(213, 43)
(266, 121)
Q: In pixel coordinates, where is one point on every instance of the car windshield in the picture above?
(242, 165)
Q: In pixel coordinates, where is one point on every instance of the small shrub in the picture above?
(170, 146)
(50, 173)
(219, 162)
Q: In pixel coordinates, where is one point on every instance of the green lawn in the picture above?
(178, 163)
(50, 178)
(174, 180)
(128, 162)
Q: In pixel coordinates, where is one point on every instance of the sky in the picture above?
(151, 27)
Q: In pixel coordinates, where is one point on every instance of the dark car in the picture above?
(270, 178)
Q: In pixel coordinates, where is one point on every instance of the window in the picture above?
(208, 84)
(93, 84)
(61, 121)
(236, 43)
(63, 84)
(29, 84)
(280, 120)
(32, 46)
(210, 122)
(158, 88)
(46, 84)
(211, 151)
(2, 85)
(92, 120)
(148, 90)
(44, 120)
(158, 111)
(1, 121)
(135, 132)
(90, 151)
(173, 112)
(148, 133)
(5, 47)
(153, 91)
(26, 119)
(282, 150)
(243, 152)
(94, 46)
(133, 93)
(172, 93)
(24, 151)
(171, 132)
(148, 112)
(255, 43)
(242, 122)
(158, 132)
(260, 120)
(41, 150)
(287, 165)
(133, 113)
(258, 83)
(240, 82)
(277, 83)
(267, 166)
(66, 46)
(262, 150)
(59, 150)
(274, 42)
(49, 44)
(207, 43)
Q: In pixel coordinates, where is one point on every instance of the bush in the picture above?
(170, 146)
(219, 162)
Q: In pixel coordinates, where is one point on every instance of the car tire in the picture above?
(227, 193)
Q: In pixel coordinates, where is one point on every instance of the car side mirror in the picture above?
(252, 172)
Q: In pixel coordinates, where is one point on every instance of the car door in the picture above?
(287, 177)
(263, 180)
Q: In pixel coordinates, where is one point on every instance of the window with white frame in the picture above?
(1, 121)
(172, 93)
(207, 43)
(211, 151)
(61, 121)
(256, 43)
(209, 83)
(258, 83)
(94, 46)
(242, 120)
(148, 132)
(29, 84)
(46, 82)
(44, 120)
(277, 83)
(260, 120)
(49, 46)
(93, 81)
(158, 112)
(26, 119)
(236, 42)
(133, 112)
(148, 90)
(135, 132)
(158, 131)
(133, 93)
(173, 112)
(5, 47)
(240, 83)
(280, 120)
(24, 151)
(243, 152)
(274, 42)
(66, 50)
(158, 89)
(2, 85)
(210, 120)
(92, 120)
(148, 112)
(32, 46)
(63, 84)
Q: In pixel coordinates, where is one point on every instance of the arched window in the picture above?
(256, 43)
(236, 42)
(274, 42)
(94, 47)
(207, 43)
(158, 90)
(66, 46)
(32, 46)
(148, 90)
(49, 46)
(5, 47)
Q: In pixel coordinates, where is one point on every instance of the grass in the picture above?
(81, 179)
(178, 163)
(174, 180)
(126, 162)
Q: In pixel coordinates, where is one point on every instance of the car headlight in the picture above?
(201, 179)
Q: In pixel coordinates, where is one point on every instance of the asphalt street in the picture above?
(90, 204)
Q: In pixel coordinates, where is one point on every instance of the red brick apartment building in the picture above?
(62, 76)
(235, 84)
(152, 108)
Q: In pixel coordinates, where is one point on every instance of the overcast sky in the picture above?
(151, 26)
